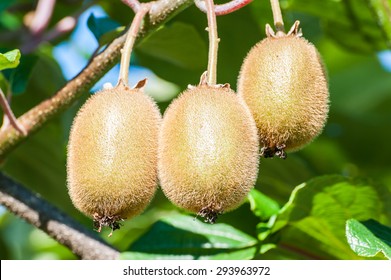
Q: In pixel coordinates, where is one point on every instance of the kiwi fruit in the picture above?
(208, 151)
(284, 84)
(112, 155)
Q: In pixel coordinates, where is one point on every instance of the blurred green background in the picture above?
(354, 39)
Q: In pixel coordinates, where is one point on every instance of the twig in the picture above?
(61, 28)
(35, 118)
(133, 4)
(277, 16)
(9, 115)
(213, 43)
(83, 242)
(42, 16)
(129, 43)
(223, 9)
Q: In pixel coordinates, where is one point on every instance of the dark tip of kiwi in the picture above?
(106, 221)
(278, 151)
(209, 214)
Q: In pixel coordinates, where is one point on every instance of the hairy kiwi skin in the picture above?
(112, 154)
(283, 82)
(208, 151)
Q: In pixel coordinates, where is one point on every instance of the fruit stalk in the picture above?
(9, 115)
(213, 42)
(277, 16)
(129, 43)
(223, 9)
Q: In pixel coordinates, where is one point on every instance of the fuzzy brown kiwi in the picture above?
(283, 81)
(112, 155)
(208, 151)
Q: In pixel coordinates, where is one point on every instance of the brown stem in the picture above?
(129, 43)
(35, 118)
(213, 43)
(84, 243)
(133, 4)
(9, 115)
(277, 16)
(223, 9)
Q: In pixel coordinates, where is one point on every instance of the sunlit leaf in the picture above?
(313, 220)
(9, 59)
(186, 237)
(368, 238)
(262, 206)
(241, 254)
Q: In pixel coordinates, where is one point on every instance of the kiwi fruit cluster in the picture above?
(205, 152)
(208, 151)
(112, 155)
(283, 82)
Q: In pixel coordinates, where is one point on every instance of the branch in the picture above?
(83, 242)
(35, 118)
(223, 9)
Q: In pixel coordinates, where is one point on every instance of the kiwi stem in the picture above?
(223, 9)
(277, 16)
(213, 42)
(133, 4)
(129, 43)
(9, 116)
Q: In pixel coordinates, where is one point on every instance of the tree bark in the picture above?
(83, 242)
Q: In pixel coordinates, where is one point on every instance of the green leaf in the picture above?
(243, 254)
(277, 176)
(179, 44)
(104, 28)
(382, 11)
(4, 4)
(9, 59)
(313, 220)
(360, 25)
(368, 238)
(3, 83)
(182, 236)
(19, 77)
(262, 206)
(236, 41)
(110, 35)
